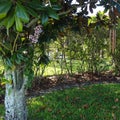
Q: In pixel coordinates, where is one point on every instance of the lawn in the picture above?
(94, 102)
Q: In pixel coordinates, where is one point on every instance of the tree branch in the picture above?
(4, 46)
(32, 22)
(75, 6)
(65, 12)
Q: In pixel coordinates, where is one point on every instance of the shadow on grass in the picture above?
(95, 102)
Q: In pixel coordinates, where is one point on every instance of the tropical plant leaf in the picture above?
(31, 12)
(9, 20)
(56, 7)
(21, 13)
(19, 25)
(4, 8)
(36, 5)
(44, 18)
(52, 14)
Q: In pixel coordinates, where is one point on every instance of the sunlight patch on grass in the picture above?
(35, 101)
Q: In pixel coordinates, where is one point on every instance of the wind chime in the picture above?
(112, 35)
(114, 14)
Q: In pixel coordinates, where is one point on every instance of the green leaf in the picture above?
(19, 56)
(31, 12)
(19, 25)
(36, 5)
(4, 8)
(9, 20)
(52, 14)
(44, 18)
(5, 81)
(8, 62)
(56, 7)
(21, 13)
(18, 61)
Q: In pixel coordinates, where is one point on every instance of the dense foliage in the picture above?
(19, 18)
(26, 26)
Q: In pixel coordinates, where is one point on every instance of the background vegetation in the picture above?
(87, 50)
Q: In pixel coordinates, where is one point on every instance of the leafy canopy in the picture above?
(18, 18)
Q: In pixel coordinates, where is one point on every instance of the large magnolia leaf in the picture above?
(52, 14)
(31, 11)
(56, 7)
(4, 8)
(21, 13)
(9, 20)
(35, 5)
(19, 25)
(44, 18)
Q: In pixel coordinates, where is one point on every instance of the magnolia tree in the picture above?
(23, 25)
(20, 30)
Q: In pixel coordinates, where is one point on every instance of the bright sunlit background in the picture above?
(95, 11)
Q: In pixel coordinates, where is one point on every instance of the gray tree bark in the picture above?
(15, 104)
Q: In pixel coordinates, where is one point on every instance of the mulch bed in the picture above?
(42, 85)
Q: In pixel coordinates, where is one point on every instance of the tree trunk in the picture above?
(15, 104)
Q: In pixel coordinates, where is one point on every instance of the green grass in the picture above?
(1, 111)
(95, 102)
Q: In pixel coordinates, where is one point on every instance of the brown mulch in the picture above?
(42, 85)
